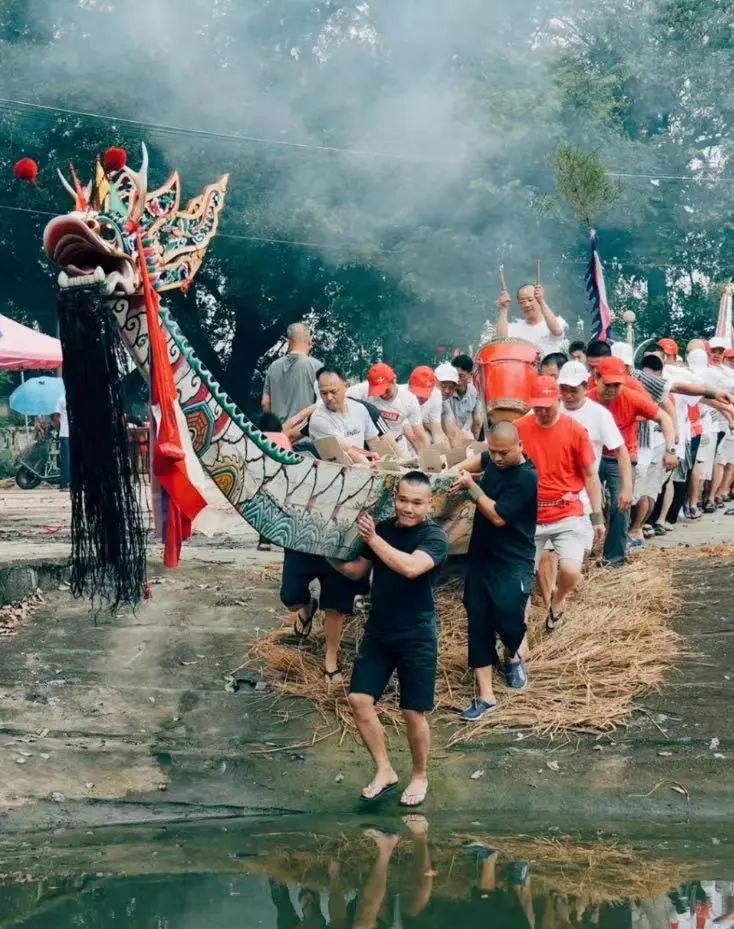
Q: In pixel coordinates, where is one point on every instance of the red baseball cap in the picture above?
(612, 370)
(669, 346)
(422, 381)
(379, 377)
(545, 391)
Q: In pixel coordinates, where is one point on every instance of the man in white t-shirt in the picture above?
(350, 423)
(614, 472)
(538, 325)
(422, 383)
(61, 421)
(399, 409)
(340, 416)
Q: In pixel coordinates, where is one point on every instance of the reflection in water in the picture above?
(377, 879)
(502, 894)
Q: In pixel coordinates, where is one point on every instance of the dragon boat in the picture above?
(118, 248)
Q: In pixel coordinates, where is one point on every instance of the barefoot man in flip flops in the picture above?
(405, 554)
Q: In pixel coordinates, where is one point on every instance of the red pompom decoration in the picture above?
(26, 170)
(115, 158)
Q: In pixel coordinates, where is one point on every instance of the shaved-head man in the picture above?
(289, 382)
(500, 563)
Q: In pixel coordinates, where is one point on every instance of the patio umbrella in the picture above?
(38, 396)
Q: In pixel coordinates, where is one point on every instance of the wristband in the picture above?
(597, 519)
(475, 492)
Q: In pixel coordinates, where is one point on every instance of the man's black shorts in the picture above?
(413, 654)
(337, 591)
(495, 604)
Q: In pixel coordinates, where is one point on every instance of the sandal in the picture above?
(709, 507)
(552, 620)
(330, 675)
(306, 624)
(659, 529)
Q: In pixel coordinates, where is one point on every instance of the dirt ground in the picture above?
(123, 720)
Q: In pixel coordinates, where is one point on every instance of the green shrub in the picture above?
(7, 463)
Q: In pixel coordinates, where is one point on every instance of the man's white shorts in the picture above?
(706, 455)
(649, 477)
(726, 450)
(567, 536)
(588, 538)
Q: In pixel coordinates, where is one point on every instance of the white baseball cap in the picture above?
(719, 341)
(624, 351)
(573, 374)
(447, 372)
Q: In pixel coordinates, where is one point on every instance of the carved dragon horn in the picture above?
(66, 184)
(140, 180)
(80, 194)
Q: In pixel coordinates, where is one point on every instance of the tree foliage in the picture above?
(431, 142)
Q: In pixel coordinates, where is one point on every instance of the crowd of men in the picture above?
(607, 455)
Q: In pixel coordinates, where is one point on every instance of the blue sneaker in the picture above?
(635, 543)
(516, 674)
(476, 711)
(479, 850)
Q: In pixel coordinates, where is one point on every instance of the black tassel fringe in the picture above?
(108, 535)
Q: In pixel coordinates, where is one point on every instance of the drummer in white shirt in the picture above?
(539, 324)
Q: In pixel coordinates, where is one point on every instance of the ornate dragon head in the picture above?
(95, 244)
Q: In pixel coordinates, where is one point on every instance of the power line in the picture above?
(675, 177)
(308, 146)
(221, 136)
(608, 263)
(225, 235)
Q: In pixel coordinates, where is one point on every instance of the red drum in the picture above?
(505, 371)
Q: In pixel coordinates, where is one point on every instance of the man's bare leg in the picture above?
(547, 574)
(642, 511)
(333, 625)
(667, 501)
(419, 892)
(488, 877)
(337, 903)
(300, 616)
(373, 893)
(716, 480)
(373, 736)
(569, 574)
(695, 487)
(419, 740)
(485, 690)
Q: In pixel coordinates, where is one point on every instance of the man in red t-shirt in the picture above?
(627, 407)
(563, 456)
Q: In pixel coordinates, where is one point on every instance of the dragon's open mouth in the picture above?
(86, 260)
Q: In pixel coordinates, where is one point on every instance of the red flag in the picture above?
(169, 459)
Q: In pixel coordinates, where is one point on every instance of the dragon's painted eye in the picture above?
(108, 232)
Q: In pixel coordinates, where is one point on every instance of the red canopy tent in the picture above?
(24, 349)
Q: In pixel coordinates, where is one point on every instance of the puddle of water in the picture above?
(404, 875)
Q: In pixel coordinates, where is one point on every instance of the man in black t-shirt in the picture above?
(500, 563)
(405, 555)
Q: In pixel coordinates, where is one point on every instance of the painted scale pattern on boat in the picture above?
(295, 501)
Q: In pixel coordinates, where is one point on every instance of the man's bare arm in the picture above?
(549, 316)
(502, 320)
(354, 570)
